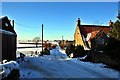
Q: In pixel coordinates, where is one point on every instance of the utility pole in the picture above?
(62, 38)
(42, 40)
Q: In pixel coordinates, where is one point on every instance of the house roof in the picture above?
(94, 26)
(90, 31)
(6, 25)
(85, 29)
(93, 34)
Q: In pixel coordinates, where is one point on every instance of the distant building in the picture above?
(8, 39)
(84, 33)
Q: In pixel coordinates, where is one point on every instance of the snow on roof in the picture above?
(93, 34)
(108, 36)
(6, 32)
(88, 36)
(1, 17)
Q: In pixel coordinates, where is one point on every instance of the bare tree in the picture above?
(36, 40)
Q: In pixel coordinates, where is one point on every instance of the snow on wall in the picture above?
(6, 32)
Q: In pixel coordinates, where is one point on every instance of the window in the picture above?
(100, 41)
(6, 24)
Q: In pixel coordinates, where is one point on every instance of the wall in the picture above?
(78, 37)
(8, 47)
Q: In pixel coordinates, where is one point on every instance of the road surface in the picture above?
(62, 69)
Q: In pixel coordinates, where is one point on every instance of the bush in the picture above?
(14, 75)
(88, 57)
(49, 46)
(112, 49)
(79, 51)
(69, 49)
(45, 52)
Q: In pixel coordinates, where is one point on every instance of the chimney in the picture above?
(110, 23)
(78, 22)
(13, 23)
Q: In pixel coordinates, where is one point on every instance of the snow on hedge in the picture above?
(7, 67)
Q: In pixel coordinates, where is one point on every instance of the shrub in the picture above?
(69, 49)
(45, 52)
(49, 46)
(112, 49)
(79, 51)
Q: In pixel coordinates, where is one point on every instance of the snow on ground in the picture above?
(28, 51)
(57, 65)
(8, 67)
(27, 45)
(99, 68)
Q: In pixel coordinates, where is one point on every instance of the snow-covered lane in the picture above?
(83, 71)
(59, 69)
(57, 65)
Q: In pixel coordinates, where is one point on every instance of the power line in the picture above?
(24, 25)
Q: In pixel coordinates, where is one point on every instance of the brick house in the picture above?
(84, 33)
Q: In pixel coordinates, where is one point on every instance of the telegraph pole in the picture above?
(62, 38)
(42, 40)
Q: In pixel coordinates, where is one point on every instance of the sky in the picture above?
(59, 18)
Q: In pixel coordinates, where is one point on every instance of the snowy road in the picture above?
(57, 65)
(60, 69)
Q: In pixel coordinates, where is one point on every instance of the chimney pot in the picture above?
(13, 23)
(78, 22)
(110, 23)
